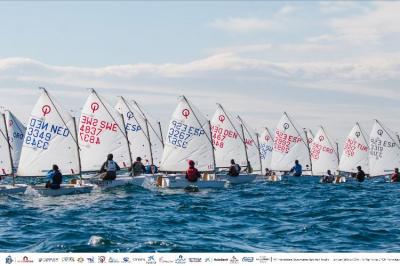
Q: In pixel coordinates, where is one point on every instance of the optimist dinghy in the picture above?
(6, 158)
(189, 138)
(290, 144)
(51, 139)
(231, 142)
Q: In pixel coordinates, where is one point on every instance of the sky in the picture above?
(325, 63)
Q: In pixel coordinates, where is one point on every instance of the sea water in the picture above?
(295, 215)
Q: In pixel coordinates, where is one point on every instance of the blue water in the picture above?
(292, 215)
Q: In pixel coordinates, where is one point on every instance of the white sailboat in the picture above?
(16, 133)
(266, 145)
(102, 132)
(290, 144)
(323, 154)
(6, 161)
(189, 138)
(51, 139)
(229, 140)
(253, 152)
(355, 152)
(384, 152)
(143, 139)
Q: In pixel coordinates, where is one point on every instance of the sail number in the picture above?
(316, 150)
(283, 141)
(377, 146)
(219, 135)
(39, 133)
(351, 145)
(180, 134)
(90, 129)
(264, 150)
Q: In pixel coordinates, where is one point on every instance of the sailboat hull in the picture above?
(240, 179)
(9, 189)
(66, 189)
(179, 182)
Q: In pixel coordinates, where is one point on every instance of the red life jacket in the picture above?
(395, 177)
(192, 174)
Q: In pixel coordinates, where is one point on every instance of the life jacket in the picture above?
(395, 177)
(57, 178)
(192, 174)
(137, 168)
(111, 166)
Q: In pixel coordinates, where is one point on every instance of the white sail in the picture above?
(16, 133)
(5, 161)
(266, 146)
(384, 152)
(138, 133)
(290, 144)
(227, 139)
(323, 154)
(253, 152)
(188, 138)
(49, 139)
(310, 137)
(355, 151)
(101, 132)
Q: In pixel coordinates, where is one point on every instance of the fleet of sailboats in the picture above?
(79, 148)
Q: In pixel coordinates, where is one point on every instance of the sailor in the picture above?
(395, 175)
(234, 170)
(297, 169)
(109, 168)
(249, 168)
(56, 178)
(273, 177)
(192, 174)
(360, 174)
(138, 167)
(151, 169)
(267, 172)
(328, 178)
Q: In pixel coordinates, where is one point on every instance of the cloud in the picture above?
(329, 7)
(243, 25)
(286, 10)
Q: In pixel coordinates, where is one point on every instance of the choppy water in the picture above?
(285, 216)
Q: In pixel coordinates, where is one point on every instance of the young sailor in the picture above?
(328, 178)
(249, 168)
(192, 174)
(297, 169)
(56, 178)
(138, 167)
(360, 174)
(234, 170)
(150, 168)
(273, 177)
(395, 175)
(109, 169)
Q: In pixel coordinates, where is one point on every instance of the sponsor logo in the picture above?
(163, 260)
(233, 260)
(220, 259)
(126, 260)
(247, 259)
(195, 260)
(151, 260)
(113, 260)
(263, 259)
(68, 259)
(180, 260)
(80, 259)
(9, 260)
(25, 259)
(138, 259)
(90, 260)
(101, 259)
(48, 260)
(208, 259)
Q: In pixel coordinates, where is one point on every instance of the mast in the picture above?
(78, 150)
(127, 140)
(245, 148)
(162, 138)
(148, 139)
(213, 149)
(309, 151)
(9, 148)
(251, 137)
(259, 152)
(337, 152)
